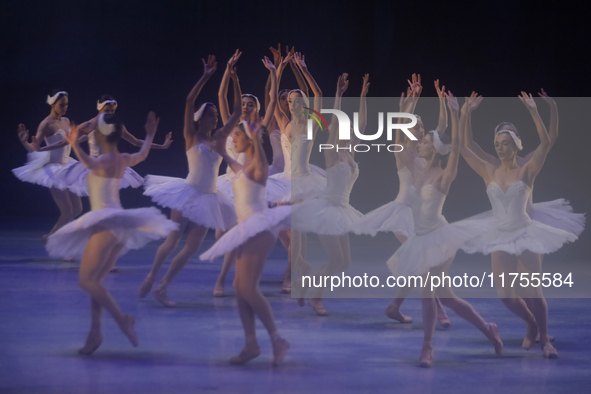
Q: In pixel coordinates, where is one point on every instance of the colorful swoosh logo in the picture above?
(316, 115)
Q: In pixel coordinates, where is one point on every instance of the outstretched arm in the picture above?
(151, 127)
(127, 136)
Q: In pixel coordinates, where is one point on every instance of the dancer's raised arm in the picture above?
(232, 121)
(451, 169)
(442, 123)
(553, 129)
(533, 166)
(362, 116)
(209, 68)
(477, 162)
(223, 92)
(301, 62)
(270, 109)
(23, 137)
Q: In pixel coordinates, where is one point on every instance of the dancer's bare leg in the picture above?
(532, 263)
(285, 238)
(505, 263)
(393, 309)
(64, 203)
(529, 304)
(429, 321)
(98, 258)
(465, 310)
(251, 301)
(195, 235)
(171, 242)
(229, 261)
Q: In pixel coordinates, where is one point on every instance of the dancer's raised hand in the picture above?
(528, 101)
(365, 87)
(452, 101)
(342, 84)
(210, 66)
(151, 123)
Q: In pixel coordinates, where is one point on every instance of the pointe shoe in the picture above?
(492, 333)
(318, 307)
(129, 330)
(146, 286)
(160, 295)
(549, 351)
(280, 348)
(444, 322)
(115, 269)
(245, 356)
(426, 359)
(218, 291)
(395, 314)
(530, 337)
(92, 343)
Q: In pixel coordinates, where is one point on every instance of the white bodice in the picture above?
(509, 208)
(60, 155)
(276, 145)
(103, 192)
(204, 165)
(427, 207)
(286, 147)
(93, 148)
(340, 179)
(301, 148)
(405, 179)
(249, 196)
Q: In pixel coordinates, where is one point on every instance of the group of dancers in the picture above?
(255, 202)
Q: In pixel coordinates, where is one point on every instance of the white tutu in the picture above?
(275, 189)
(320, 216)
(392, 217)
(536, 237)
(213, 210)
(40, 171)
(420, 253)
(269, 219)
(76, 178)
(134, 227)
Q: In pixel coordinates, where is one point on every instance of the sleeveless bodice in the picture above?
(340, 179)
(204, 165)
(275, 138)
(426, 209)
(249, 196)
(93, 148)
(103, 192)
(60, 155)
(405, 179)
(301, 148)
(286, 147)
(509, 208)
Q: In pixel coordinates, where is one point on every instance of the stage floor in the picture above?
(44, 319)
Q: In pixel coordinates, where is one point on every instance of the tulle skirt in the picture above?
(213, 210)
(421, 253)
(270, 219)
(132, 227)
(76, 179)
(40, 171)
(392, 217)
(536, 237)
(320, 216)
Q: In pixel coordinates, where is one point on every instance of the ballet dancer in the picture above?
(49, 169)
(433, 246)
(250, 114)
(514, 239)
(253, 238)
(330, 215)
(196, 204)
(100, 236)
